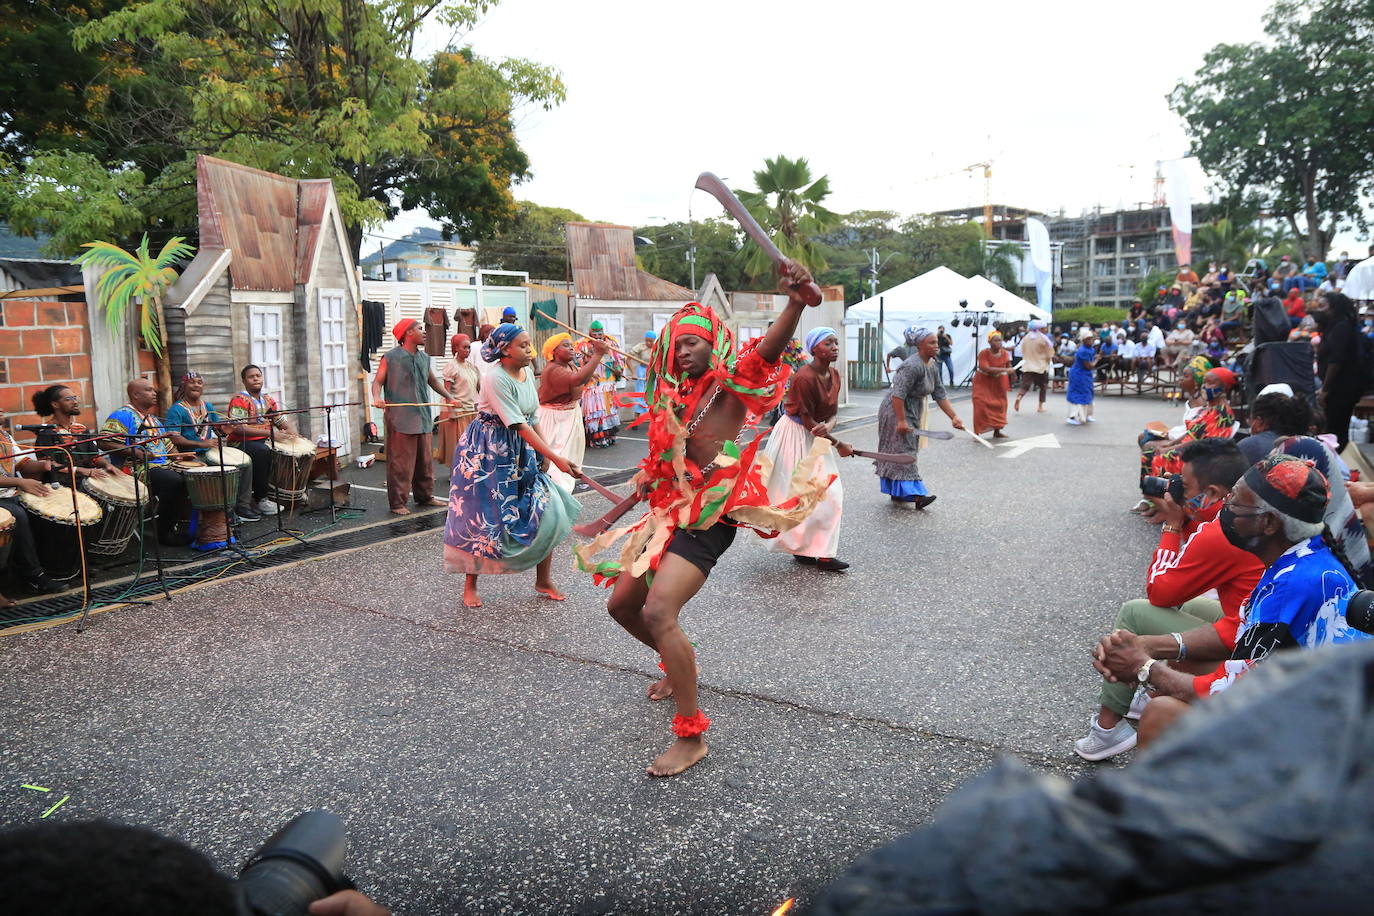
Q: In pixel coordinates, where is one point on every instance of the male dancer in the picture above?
(700, 394)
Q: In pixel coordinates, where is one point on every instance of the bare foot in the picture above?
(551, 592)
(1017, 406)
(470, 596)
(685, 753)
(661, 689)
(434, 501)
(7, 602)
(401, 511)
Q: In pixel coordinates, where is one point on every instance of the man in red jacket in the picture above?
(1176, 621)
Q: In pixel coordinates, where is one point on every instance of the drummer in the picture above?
(137, 419)
(192, 421)
(59, 407)
(18, 473)
(256, 411)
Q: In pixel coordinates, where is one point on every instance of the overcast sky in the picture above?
(891, 100)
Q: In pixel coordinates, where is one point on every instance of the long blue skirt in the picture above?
(504, 514)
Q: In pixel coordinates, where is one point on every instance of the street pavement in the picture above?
(492, 760)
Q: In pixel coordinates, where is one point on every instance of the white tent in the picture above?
(930, 300)
(1012, 306)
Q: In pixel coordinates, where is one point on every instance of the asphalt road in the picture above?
(491, 761)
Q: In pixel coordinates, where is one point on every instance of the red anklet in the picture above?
(661, 666)
(690, 727)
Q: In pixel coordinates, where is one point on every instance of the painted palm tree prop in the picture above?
(138, 279)
(787, 203)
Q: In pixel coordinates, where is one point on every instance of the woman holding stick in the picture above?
(504, 513)
(809, 410)
(560, 401)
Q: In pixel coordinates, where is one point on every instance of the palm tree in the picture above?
(143, 279)
(787, 205)
(997, 262)
(1225, 242)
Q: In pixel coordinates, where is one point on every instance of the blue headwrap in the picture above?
(499, 341)
(914, 335)
(816, 335)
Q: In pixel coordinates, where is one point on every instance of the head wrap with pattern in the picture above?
(499, 341)
(914, 335)
(1197, 369)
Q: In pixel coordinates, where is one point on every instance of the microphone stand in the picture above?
(142, 523)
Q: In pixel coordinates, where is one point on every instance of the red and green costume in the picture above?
(683, 494)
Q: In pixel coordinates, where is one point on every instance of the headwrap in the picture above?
(457, 341)
(402, 326)
(597, 326)
(1037, 325)
(650, 335)
(914, 335)
(994, 334)
(508, 312)
(1291, 485)
(552, 344)
(816, 335)
(1282, 388)
(499, 341)
(1228, 378)
(1086, 334)
(183, 381)
(1197, 369)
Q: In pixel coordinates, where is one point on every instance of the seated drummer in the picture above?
(196, 427)
(19, 474)
(136, 419)
(256, 411)
(59, 407)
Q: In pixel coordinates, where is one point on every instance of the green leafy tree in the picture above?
(997, 262)
(139, 280)
(305, 88)
(1224, 242)
(787, 204)
(715, 242)
(1147, 290)
(1292, 119)
(535, 241)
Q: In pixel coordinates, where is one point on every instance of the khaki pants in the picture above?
(1144, 619)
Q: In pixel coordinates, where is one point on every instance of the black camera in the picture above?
(1159, 487)
(301, 863)
(1359, 612)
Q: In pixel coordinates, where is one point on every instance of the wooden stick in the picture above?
(589, 337)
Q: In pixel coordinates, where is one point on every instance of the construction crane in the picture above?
(987, 193)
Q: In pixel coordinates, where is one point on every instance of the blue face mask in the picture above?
(1194, 504)
(1212, 394)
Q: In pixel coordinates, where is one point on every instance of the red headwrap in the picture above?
(402, 326)
(1228, 378)
(457, 341)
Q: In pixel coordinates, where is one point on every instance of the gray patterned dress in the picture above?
(913, 381)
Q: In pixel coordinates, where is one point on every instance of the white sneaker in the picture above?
(1102, 743)
(267, 507)
(1092, 419)
(1138, 703)
(1074, 421)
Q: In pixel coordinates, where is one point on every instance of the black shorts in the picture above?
(702, 547)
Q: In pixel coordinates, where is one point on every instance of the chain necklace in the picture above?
(701, 414)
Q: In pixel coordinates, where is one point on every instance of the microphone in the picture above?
(37, 427)
(1359, 612)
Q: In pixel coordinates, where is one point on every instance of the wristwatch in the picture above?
(1142, 676)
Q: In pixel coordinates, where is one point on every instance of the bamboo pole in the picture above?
(589, 337)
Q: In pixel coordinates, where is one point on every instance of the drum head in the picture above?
(233, 457)
(6, 519)
(185, 464)
(115, 488)
(56, 506)
(295, 446)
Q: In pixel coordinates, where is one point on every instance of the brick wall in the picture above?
(42, 344)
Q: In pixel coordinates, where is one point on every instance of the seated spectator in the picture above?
(1233, 314)
(1343, 524)
(1177, 619)
(1296, 306)
(1147, 353)
(1276, 511)
(1210, 278)
(1313, 273)
(1285, 276)
(1190, 379)
(1225, 279)
(1214, 421)
(1274, 416)
(1186, 280)
(1213, 340)
(1176, 346)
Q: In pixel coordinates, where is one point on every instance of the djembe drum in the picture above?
(6, 528)
(54, 524)
(291, 461)
(211, 489)
(119, 500)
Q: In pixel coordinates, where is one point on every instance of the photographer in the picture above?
(1193, 558)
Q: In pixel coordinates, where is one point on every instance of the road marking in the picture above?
(597, 467)
(358, 486)
(1021, 446)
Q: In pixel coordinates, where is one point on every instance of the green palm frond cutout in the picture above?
(135, 280)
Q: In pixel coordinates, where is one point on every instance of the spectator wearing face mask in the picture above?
(1341, 368)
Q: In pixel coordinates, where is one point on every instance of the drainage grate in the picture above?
(181, 576)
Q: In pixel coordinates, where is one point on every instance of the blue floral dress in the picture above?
(504, 514)
(1081, 377)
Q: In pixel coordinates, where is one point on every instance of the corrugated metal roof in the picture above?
(270, 222)
(602, 257)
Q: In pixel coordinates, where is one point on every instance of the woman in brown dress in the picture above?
(990, 387)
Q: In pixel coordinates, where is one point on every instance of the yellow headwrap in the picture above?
(552, 344)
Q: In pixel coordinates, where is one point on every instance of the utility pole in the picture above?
(872, 272)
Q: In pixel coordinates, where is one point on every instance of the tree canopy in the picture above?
(534, 241)
(305, 88)
(1291, 120)
(786, 201)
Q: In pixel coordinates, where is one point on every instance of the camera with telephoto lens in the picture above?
(1159, 487)
(301, 863)
(1359, 611)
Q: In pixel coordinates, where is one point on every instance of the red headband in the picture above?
(402, 326)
